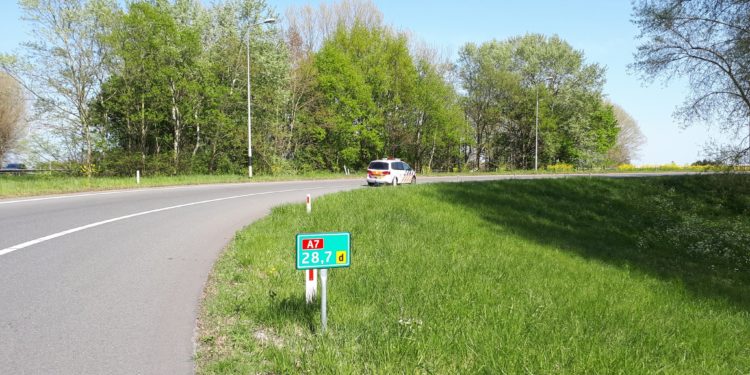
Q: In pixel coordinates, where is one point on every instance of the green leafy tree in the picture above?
(438, 122)
(371, 99)
(349, 115)
(503, 80)
(155, 77)
(178, 84)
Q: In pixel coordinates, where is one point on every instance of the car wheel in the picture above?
(414, 180)
(370, 184)
(394, 182)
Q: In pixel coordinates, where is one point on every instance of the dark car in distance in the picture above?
(18, 166)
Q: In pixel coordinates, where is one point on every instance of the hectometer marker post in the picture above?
(323, 251)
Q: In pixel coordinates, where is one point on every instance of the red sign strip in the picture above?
(312, 244)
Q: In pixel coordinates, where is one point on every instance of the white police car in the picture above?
(390, 171)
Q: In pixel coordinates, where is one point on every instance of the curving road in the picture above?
(110, 283)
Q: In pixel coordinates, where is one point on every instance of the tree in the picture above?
(310, 27)
(438, 122)
(153, 77)
(12, 113)
(708, 41)
(362, 95)
(502, 80)
(630, 139)
(310, 113)
(349, 114)
(176, 94)
(66, 65)
(491, 88)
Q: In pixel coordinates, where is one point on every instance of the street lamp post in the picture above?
(536, 133)
(249, 105)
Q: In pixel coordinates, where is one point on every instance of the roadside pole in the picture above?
(138, 177)
(323, 296)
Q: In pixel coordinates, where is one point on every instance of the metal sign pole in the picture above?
(323, 295)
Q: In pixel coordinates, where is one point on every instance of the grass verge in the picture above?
(577, 275)
(40, 184)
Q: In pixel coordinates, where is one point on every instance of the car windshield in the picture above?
(380, 165)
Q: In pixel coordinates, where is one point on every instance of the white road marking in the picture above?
(92, 225)
(60, 197)
(154, 188)
(124, 191)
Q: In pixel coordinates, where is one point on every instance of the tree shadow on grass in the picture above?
(606, 220)
(294, 309)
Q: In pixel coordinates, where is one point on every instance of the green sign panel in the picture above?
(323, 250)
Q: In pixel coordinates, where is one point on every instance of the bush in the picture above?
(119, 163)
(626, 167)
(560, 167)
(712, 229)
(279, 166)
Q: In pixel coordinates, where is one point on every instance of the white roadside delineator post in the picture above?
(311, 285)
(138, 177)
(311, 276)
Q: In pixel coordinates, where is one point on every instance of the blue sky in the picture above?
(601, 29)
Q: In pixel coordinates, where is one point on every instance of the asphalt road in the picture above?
(120, 297)
(110, 283)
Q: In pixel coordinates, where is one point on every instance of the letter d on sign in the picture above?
(341, 257)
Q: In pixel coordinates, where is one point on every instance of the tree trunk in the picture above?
(87, 133)
(418, 146)
(432, 153)
(144, 138)
(198, 134)
(130, 132)
(478, 148)
(176, 117)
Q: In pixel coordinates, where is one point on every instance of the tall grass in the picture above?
(545, 276)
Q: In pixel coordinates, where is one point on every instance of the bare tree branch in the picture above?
(12, 114)
(708, 41)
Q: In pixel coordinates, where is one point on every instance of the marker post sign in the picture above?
(323, 251)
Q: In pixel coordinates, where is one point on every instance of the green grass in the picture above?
(546, 276)
(40, 184)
